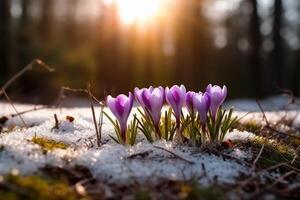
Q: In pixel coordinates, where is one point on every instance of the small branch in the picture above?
(94, 116)
(84, 91)
(258, 156)
(56, 126)
(279, 179)
(22, 71)
(100, 124)
(263, 112)
(174, 154)
(13, 106)
(250, 179)
(141, 154)
(296, 155)
(30, 110)
(229, 157)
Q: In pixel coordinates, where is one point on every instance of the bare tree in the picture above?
(5, 37)
(255, 58)
(277, 52)
(46, 20)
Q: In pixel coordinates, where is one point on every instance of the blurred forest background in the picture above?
(252, 46)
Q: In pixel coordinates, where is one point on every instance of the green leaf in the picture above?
(114, 139)
(145, 130)
(109, 118)
(166, 126)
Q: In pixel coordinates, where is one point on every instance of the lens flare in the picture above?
(138, 11)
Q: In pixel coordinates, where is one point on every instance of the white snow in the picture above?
(112, 162)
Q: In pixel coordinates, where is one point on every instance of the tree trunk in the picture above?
(4, 39)
(255, 59)
(277, 53)
(45, 25)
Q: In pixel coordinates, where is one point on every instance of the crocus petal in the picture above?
(145, 97)
(152, 100)
(112, 106)
(218, 96)
(189, 100)
(137, 95)
(201, 103)
(121, 107)
(156, 103)
(175, 98)
(128, 107)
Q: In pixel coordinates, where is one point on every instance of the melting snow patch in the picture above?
(112, 162)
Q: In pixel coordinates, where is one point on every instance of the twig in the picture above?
(84, 91)
(30, 110)
(279, 179)
(250, 179)
(258, 156)
(142, 154)
(263, 112)
(174, 154)
(100, 124)
(243, 116)
(56, 126)
(291, 167)
(13, 106)
(94, 116)
(22, 71)
(296, 155)
(268, 123)
(228, 156)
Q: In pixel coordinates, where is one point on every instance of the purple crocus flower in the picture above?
(201, 102)
(175, 96)
(217, 97)
(152, 100)
(189, 101)
(121, 107)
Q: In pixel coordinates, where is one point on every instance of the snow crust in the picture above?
(111, 162)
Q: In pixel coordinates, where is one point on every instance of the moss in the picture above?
(48, 145)
(295, 141)
(142, 195)
(34, 187)
(273, 153)
(250, 126)
(190, 191)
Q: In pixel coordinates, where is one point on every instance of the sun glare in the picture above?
(138, 11)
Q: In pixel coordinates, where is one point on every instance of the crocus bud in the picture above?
(217, 97)
(152, 101)
(175, 96)
(201, 103)
(189, 101)
(121, 107)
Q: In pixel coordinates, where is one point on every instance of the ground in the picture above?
(43, 159)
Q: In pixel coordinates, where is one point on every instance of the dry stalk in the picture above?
(91, 99)
(94, 116)
(22, 71)
(18, 75)
(279, 179)
(258, 156)
(174, 154)
(13, 106)
(56, 125)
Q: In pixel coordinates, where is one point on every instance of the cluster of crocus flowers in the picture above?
(204, 110)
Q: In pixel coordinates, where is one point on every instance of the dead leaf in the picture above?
(70, 118)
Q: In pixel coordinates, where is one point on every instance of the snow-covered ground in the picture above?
(111, 162)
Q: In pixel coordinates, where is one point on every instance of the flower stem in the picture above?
(157, 132)
(123, 135)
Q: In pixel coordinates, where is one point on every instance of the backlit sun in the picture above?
(138, 11)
